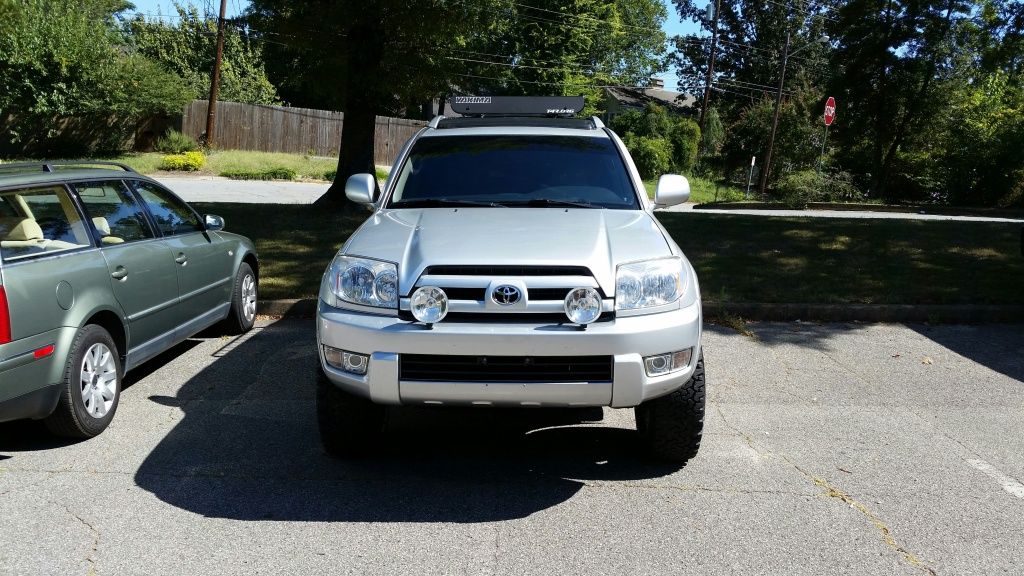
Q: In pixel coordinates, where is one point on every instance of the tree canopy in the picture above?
(390, 57)
(929, 92)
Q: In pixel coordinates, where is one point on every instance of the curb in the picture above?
(1008, 213)
(931, 313)
(288, 308)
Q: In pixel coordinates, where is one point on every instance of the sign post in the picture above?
(830, 117)
(750, 176)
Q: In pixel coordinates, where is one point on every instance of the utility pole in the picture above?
(211, 109)
(711, 65)
(778, 104)
(767, 168)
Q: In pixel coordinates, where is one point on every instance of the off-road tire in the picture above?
(70, 418)
(350, 426)
(237, 322)
(671, 426)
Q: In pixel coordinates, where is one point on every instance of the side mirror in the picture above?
(213, 223)
(672, 189)
(361, 188)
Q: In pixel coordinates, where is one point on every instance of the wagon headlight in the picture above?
(649, 283)
(363, 281)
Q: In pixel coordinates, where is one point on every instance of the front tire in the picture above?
(242, 316)
(671, 426)
(349, 425)
(91, 388)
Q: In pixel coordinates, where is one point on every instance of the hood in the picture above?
(597, 239)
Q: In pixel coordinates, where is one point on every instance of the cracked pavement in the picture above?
(828, 449)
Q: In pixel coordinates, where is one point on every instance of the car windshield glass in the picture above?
(515, 171)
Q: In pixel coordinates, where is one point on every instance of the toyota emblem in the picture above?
(506, 295)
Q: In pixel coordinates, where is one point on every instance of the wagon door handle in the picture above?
(181, 259)
(119, 273)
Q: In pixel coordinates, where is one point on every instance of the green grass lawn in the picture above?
(703, 190)
(305, 167)
(294, 242)
(871, 261)
(738, 258)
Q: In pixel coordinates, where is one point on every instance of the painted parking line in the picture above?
(1009, 484)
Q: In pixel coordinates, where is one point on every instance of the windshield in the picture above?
(514, 171)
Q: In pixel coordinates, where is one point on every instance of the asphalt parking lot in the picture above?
(828, 449)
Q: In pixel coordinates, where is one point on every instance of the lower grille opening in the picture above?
(437, 368)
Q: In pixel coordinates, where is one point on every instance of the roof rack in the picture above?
(52, 165)
(443, 123)
(535, 106)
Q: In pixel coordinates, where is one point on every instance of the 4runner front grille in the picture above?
(468, 286)
(548, 369)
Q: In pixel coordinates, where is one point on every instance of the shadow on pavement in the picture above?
(999, 347)
(247, 448)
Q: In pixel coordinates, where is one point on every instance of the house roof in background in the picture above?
(639, 97)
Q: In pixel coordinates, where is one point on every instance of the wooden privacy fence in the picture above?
(295, 130)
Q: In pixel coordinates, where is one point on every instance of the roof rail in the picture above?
(51, 165)
(434, 122)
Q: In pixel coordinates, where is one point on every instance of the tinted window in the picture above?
(515, 169)
(39, 220)
(172, 216)
(116, 216)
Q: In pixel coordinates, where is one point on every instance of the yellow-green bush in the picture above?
(189, 161)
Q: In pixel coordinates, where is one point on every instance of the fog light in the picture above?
(347, 361)
(429, 304)
(583, 305)
(667, 363)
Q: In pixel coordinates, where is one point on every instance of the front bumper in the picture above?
(627, 340)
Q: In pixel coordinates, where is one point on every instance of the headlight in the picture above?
(363, 281)
(650, 283)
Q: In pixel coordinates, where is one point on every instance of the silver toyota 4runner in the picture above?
(512, 259)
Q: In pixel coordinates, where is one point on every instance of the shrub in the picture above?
(799, 188)
(188, 161)
(275, 173)
(174, 142)
(685, 137)
(380, 173)
(652, 156)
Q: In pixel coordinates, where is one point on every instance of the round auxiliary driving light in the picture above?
(583, 305)
(429, 304)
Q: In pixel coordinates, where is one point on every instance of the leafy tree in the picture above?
(890, 57)
(684, 134)
(713, 135)
(568, 48)
(984, 143)
(752, 34)
(652, 133)
(188, 48)
(797, 142)
(652, 156)
(366, 57)
(388, 57)
(69, 87)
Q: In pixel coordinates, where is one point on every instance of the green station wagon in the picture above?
(100, 270)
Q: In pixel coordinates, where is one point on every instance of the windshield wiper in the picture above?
(443, 202)
(548, 202)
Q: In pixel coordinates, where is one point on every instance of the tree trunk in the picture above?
(360, 108)
(356, 153)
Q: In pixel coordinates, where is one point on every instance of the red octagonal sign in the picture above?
(830, 111)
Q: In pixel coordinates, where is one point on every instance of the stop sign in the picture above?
(830, 111)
